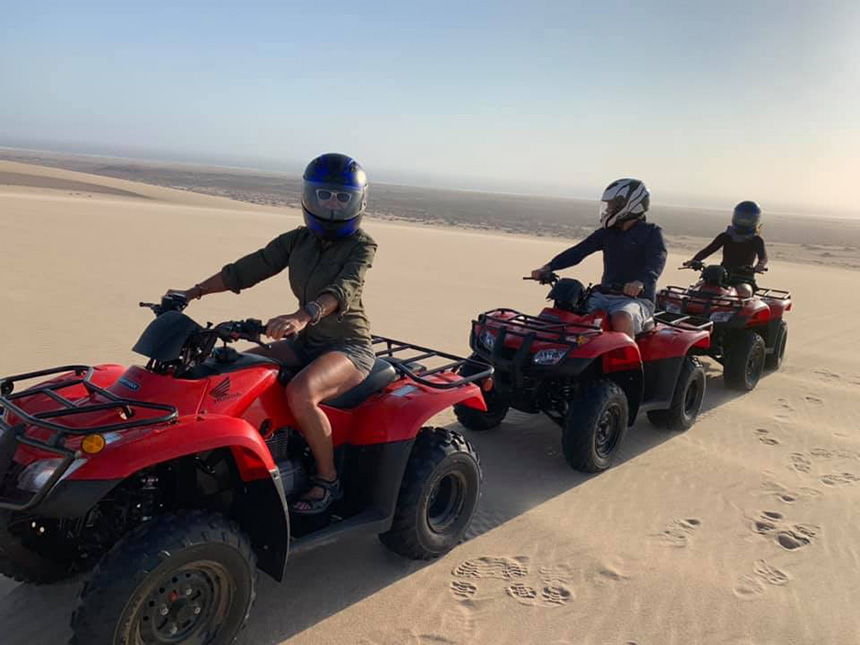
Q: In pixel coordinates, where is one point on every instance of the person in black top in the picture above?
(634, 255)
(743, 248)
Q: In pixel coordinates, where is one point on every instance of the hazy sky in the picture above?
(706, 101)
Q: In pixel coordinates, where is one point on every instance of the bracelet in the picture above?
(314, 310)
(200, 292)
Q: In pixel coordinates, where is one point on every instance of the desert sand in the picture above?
(743, 530)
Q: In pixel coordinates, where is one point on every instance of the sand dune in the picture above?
(742, 530)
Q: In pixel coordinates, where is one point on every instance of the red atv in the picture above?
(750, 333)
(567, 363)
(174, 478)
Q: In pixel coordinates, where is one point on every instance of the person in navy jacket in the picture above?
(634, 255)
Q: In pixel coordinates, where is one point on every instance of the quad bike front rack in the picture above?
(15, 420)
(407, 359)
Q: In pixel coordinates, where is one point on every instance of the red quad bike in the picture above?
(567, 363)
(174, 479)
(750, 334)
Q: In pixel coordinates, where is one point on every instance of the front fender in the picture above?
(129, 451)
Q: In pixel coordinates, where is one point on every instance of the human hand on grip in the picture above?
(538, 274)
(193, 293)
(633, 289)
(286, 325)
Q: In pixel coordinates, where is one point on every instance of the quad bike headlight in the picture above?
(549, 356)
(37, 474)
(488, 340)
(34, 477)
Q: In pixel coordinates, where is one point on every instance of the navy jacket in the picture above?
(638, 254)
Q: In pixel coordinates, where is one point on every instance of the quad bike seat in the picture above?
(381, 375)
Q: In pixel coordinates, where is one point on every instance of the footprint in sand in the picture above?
(463, 590)
(553, 589)
(839, 479)
(800, 463)
(834, 453)
(548, 596)
(770, 574)
(789, 536)
(749, 586)
(832, 377)
(787, 495)
(678, 533)
(491, 567)
(765, 437)
(814, 400)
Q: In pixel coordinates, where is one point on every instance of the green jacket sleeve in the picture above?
(348, 283)
(259, 265)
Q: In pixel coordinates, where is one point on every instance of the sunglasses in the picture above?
(323, 194)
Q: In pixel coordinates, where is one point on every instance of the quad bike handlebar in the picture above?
(698, 265)
(547, 278)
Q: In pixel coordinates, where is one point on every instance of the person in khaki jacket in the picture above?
(328, 336)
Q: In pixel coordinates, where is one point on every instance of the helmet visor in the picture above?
(611, 207)
(332, 202)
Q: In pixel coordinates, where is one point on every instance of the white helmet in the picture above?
(623, 200)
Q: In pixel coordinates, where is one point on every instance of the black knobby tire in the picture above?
(595, 426)
(477, 420)
(743, 361)
(438, 496)
(184, 577)
(23, 564)
(774, 360)
(686, 400)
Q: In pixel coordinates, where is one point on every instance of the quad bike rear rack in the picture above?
(773, 294)
(708, 301)
(687, 322)
(400, 354)
(12, 434)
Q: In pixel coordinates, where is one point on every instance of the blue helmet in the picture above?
(334, 195)
(746, 218)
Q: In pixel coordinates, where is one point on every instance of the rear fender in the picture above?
(404, 407)
(670, 342)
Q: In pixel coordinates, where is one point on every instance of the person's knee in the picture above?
(623, 322)
(621, 319)
(300, 395)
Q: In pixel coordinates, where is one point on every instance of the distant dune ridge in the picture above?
(806, 239)
(743, 530)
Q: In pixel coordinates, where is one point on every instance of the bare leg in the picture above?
(623, 322)
(744, 290)
(328, 376)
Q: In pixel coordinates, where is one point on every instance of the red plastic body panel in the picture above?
(668, 342)
(238, 410)
(144, 447)
(758, 310)
(618, 351)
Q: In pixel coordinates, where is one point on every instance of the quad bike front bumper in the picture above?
(42, 482)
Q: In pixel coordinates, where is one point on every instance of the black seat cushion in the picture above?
(380, 376)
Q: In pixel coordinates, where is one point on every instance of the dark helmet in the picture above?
(334, 196)
(746, 218)
(623, 200)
